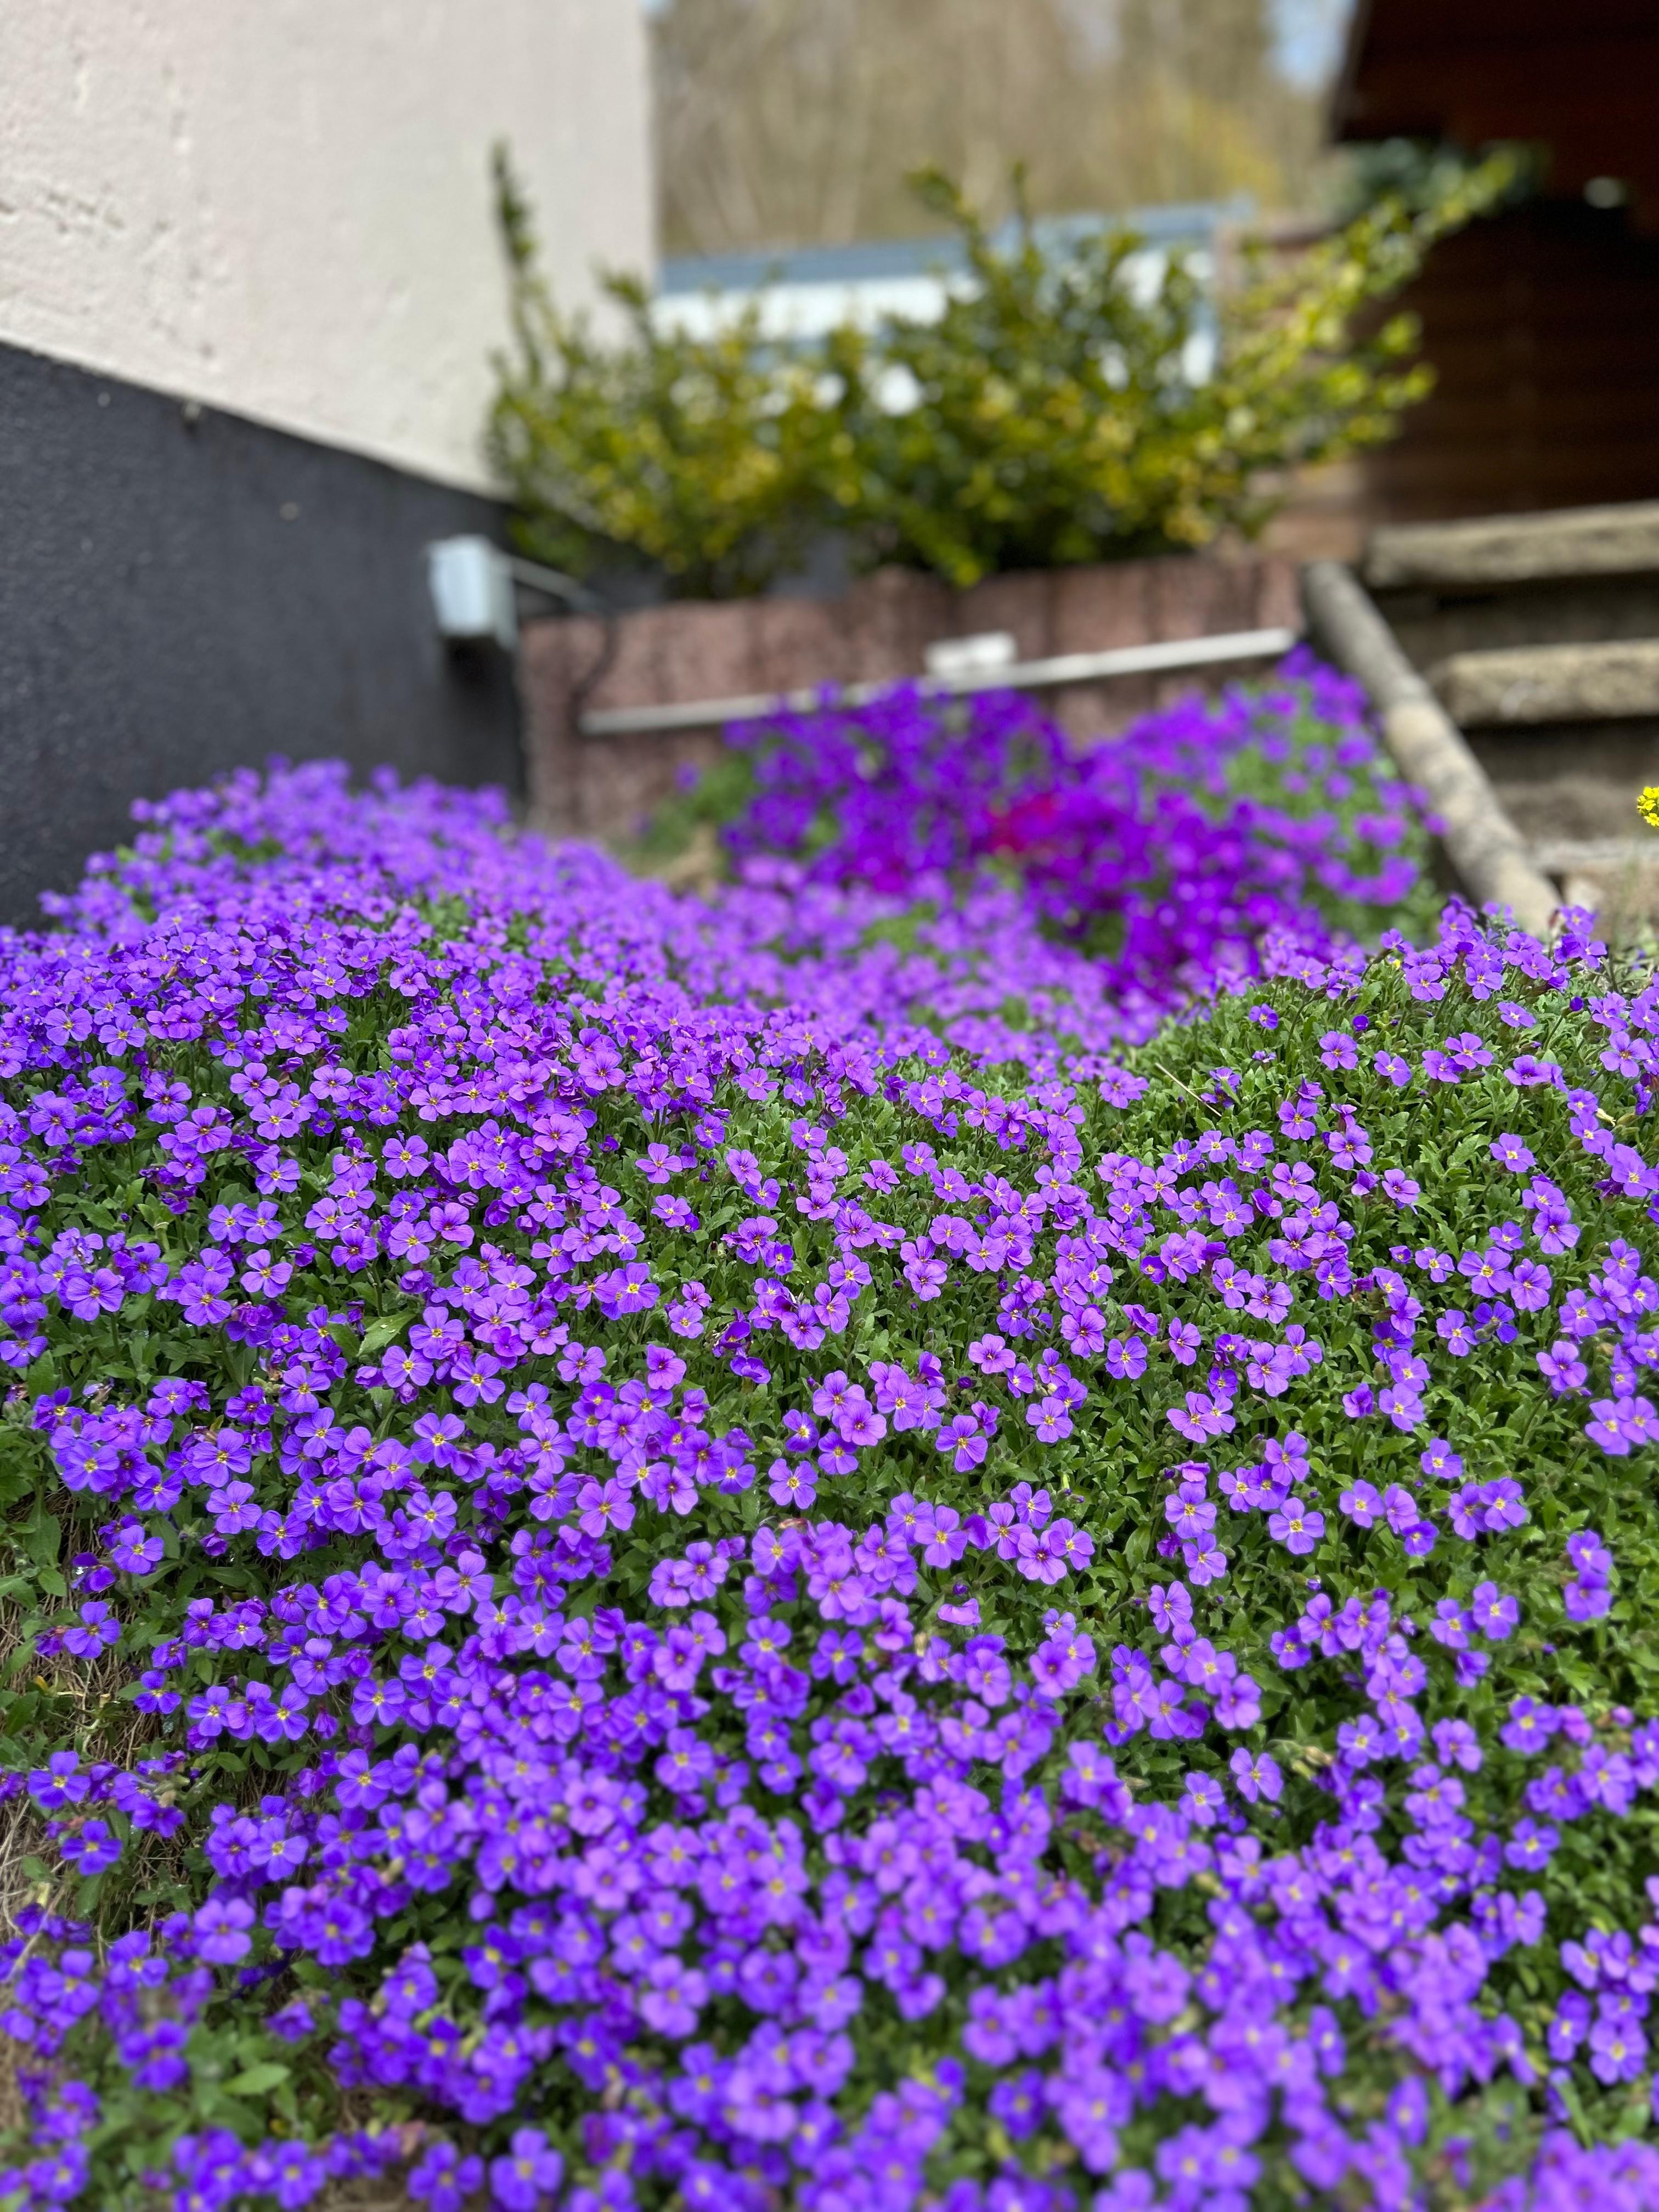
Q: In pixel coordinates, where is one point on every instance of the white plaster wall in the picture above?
(283, 207)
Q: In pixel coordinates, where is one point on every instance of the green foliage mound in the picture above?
(1062, 409)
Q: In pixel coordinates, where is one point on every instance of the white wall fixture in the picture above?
(471, 586)
(475, 586)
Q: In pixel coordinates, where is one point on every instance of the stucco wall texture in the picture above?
(283, 208)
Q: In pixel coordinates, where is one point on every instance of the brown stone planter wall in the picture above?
(877, 632)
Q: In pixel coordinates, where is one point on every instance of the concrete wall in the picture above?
(282, 207)
(183, 592)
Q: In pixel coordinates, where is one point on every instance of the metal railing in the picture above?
(1233, 646)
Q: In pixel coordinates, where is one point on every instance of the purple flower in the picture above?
(527, 2174)
(59, 1784)
(1494, 1612)
(1061, 1663)
(1511, 1152)
(1587, 1599)
(92, 1848)
(963, 1438)
(1531, 1846)
(97, 1632)
(221, 1926)
(1298, 1528)
(443, 2180)
(1362, 1504)
(476, 1610)
(1621, 1423)
(1619, 2051)
(1256, 1775)
(1124, 1361)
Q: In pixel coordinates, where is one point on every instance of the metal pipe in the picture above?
(1240, 645)
(536, 577)
(1486, 849)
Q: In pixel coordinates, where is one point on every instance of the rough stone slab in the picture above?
(1517, 549)
(1528, 683)
(1623, 893)
(1560, 856)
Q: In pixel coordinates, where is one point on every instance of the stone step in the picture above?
(1616, 877)
(1497, 550)
(1561, 856)
(1520, 685)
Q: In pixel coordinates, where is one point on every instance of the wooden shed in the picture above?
(1543, 321)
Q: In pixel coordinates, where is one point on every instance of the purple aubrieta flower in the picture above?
(1494, 1614)
(1510, 1152)
(1061, 1663)
(1256, 1776)
(1125, 1360)
(1588, 1553)
(1297, 1526)
(477, 1609)
(1361, 1504)
(59, 1783)
(443, 2180)
(221, 1928)
(1622, 1424)
(1562, 1369)
(92, 1848)
(528, 2173)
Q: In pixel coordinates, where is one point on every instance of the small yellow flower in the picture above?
(1647, 806)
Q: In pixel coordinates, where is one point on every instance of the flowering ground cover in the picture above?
(1168, 854)
(768, 1551)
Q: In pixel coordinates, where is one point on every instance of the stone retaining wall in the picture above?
(878, 631)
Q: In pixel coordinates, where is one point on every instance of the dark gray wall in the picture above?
(182, 593)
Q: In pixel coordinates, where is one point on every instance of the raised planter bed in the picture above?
(878, 631)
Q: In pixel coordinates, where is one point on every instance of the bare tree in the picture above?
(785, 121)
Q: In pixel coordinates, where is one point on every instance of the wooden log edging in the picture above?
(1485, 846)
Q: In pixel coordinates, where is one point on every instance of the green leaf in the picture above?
(380, 1333)
(40, 1537)
(258, 2081)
